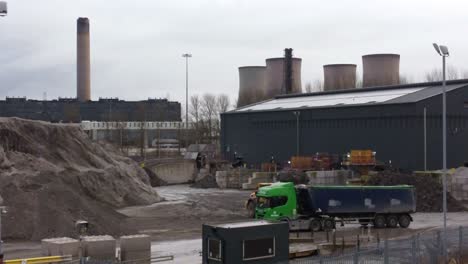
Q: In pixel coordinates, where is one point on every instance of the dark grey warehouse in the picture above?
(390, 120)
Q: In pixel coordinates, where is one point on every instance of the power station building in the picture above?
(401, 123)
(74, 111)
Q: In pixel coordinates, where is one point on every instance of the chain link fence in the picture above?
(426, 247)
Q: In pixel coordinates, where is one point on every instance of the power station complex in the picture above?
(401, 123)
(82, 107)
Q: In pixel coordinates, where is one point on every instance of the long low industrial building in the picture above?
(402, 124)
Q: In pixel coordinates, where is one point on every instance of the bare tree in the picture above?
(405, 79)
(222, 103)
(436, 74)
(208, 107)
(317, 86)
(308, 87)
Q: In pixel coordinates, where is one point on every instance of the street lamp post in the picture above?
(443, 52)
(186, 56)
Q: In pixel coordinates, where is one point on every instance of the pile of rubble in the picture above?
(428, 190)
(52, 175)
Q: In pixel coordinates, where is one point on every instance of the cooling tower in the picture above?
(339, 76)
(275, 76)
(251, 85)
(380, 69)
(83, 64)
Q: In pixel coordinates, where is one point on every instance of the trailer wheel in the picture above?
(315, 225)
(404, 221)
(328, 224)
(392, 221)
(379, 221)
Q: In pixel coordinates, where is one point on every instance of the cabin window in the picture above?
(258, 248)
(214, 249)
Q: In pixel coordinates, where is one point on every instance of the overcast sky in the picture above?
(136, 45)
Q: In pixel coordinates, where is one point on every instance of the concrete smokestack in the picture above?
(339, 76)
(83, 62)
(251, 85)
(380, 70)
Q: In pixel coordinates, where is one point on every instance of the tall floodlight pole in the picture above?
(3, 12)
(443, 52)
(186, 56)
(3, 8)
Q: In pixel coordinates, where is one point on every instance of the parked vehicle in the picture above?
(320, 207)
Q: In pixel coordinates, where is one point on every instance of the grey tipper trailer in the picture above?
(246, 242)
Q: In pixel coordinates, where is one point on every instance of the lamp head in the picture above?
(444, 50)
(436, 47)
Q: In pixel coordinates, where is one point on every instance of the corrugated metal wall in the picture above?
(395, 132)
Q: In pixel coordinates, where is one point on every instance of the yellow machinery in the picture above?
(360, 161)
(39, 260)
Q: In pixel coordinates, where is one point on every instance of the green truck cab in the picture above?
(276, 202)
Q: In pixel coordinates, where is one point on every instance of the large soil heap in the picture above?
(428, 190)
(52, 175)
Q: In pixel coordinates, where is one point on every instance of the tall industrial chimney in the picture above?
(283, 75)
(83, 63)
(339, 76)
(380, 69)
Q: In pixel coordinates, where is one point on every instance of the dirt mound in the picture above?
(428, 190)
(209, 181)
(52, 175)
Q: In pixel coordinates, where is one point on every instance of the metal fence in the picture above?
(426, 247)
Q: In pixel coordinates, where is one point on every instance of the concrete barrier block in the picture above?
(99, 247)
(60, 246)
(135, 243)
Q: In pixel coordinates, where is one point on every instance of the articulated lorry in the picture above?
(320, 207)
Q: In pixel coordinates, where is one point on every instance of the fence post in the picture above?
(418, 246)
(460, 243)
(386, 251)
(356, 257)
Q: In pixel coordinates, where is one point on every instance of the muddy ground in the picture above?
(175, 224)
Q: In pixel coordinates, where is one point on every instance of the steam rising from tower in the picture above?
(83, 63)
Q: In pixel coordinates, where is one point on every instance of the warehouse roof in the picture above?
(409, 93)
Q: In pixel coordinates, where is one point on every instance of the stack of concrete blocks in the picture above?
(99, 247)
(233, 178)
(258, 177)
(332, 177)
(458, 186)
(136, 247)
(60, 246)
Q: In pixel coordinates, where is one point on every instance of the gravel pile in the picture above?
(52, 175)
(428, 190)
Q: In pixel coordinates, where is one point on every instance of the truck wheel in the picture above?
(404, 221)
(315, 225)
(392, 221)
(328, 224)
(251, 210)
(379, 221)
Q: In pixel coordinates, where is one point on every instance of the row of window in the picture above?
(98, 125)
